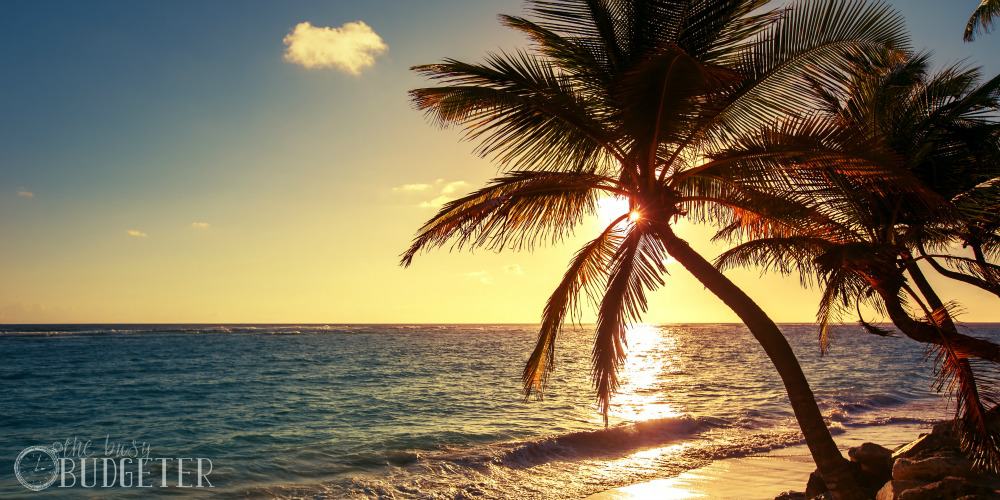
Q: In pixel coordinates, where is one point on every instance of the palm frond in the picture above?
(586, 274)
(519, 111)
(622, 33)
(874, 329)
(828, 308)
(660, 93)
(979, 209)
(979, 433)
(718, 31)
(600, 24)
(842, 286)
(976, 404)
(811, 38)
(783, 255)
(989, 274)
(517, 210)
(969, 278)
(635, 269)
(869, 296)
(578, 58)
(982, 19)
(815, 162)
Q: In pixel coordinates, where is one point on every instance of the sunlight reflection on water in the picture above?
(650, 357)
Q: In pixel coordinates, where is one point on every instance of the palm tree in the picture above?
(982, 19)
(935, 136)
(625, 98)
(936, 129)
(977, 228)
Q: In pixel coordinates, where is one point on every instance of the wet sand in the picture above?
(759, 476)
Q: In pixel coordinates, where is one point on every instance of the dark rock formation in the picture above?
(931, 467)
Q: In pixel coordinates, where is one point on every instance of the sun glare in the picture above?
(613, 207)
(648, 356)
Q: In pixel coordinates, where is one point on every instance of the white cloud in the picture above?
(409, 188)
(200, 225)
(135, 233)
(483, 277)
(452, 187)
(350, 48)
(513, 269)
(446, 190)
(437, 202)
(24, 193)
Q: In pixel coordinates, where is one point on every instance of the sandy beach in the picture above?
(759, 476)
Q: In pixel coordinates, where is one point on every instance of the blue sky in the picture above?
(153, 116)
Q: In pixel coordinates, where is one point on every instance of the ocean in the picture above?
(428, 411)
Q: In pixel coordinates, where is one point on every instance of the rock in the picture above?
(792, 495)
(931, 468)
(893, 489)
(945, 429)
(875, 463)
(941, 439)
(904, 445)
(949, 487)
(815, 486)
(870, 454)
(905, 450)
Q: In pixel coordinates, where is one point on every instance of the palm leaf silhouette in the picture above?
(586, 274)
(982, 19)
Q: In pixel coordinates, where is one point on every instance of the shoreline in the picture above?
(762, 476)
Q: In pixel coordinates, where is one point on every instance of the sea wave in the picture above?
(569, 465)
(604, 442)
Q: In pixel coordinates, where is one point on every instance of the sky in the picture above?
(254, 161)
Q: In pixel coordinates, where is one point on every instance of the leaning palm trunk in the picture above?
(928, 333)
(833, 467)
(928, 292)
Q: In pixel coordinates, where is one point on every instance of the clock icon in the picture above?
(35, 467)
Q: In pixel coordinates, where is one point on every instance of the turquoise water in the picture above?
(429, 411)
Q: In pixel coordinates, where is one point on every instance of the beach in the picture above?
(761, 476)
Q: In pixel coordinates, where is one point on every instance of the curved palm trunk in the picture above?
(836, 471)
(931, 296)
(928, 334)
(977, 252)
